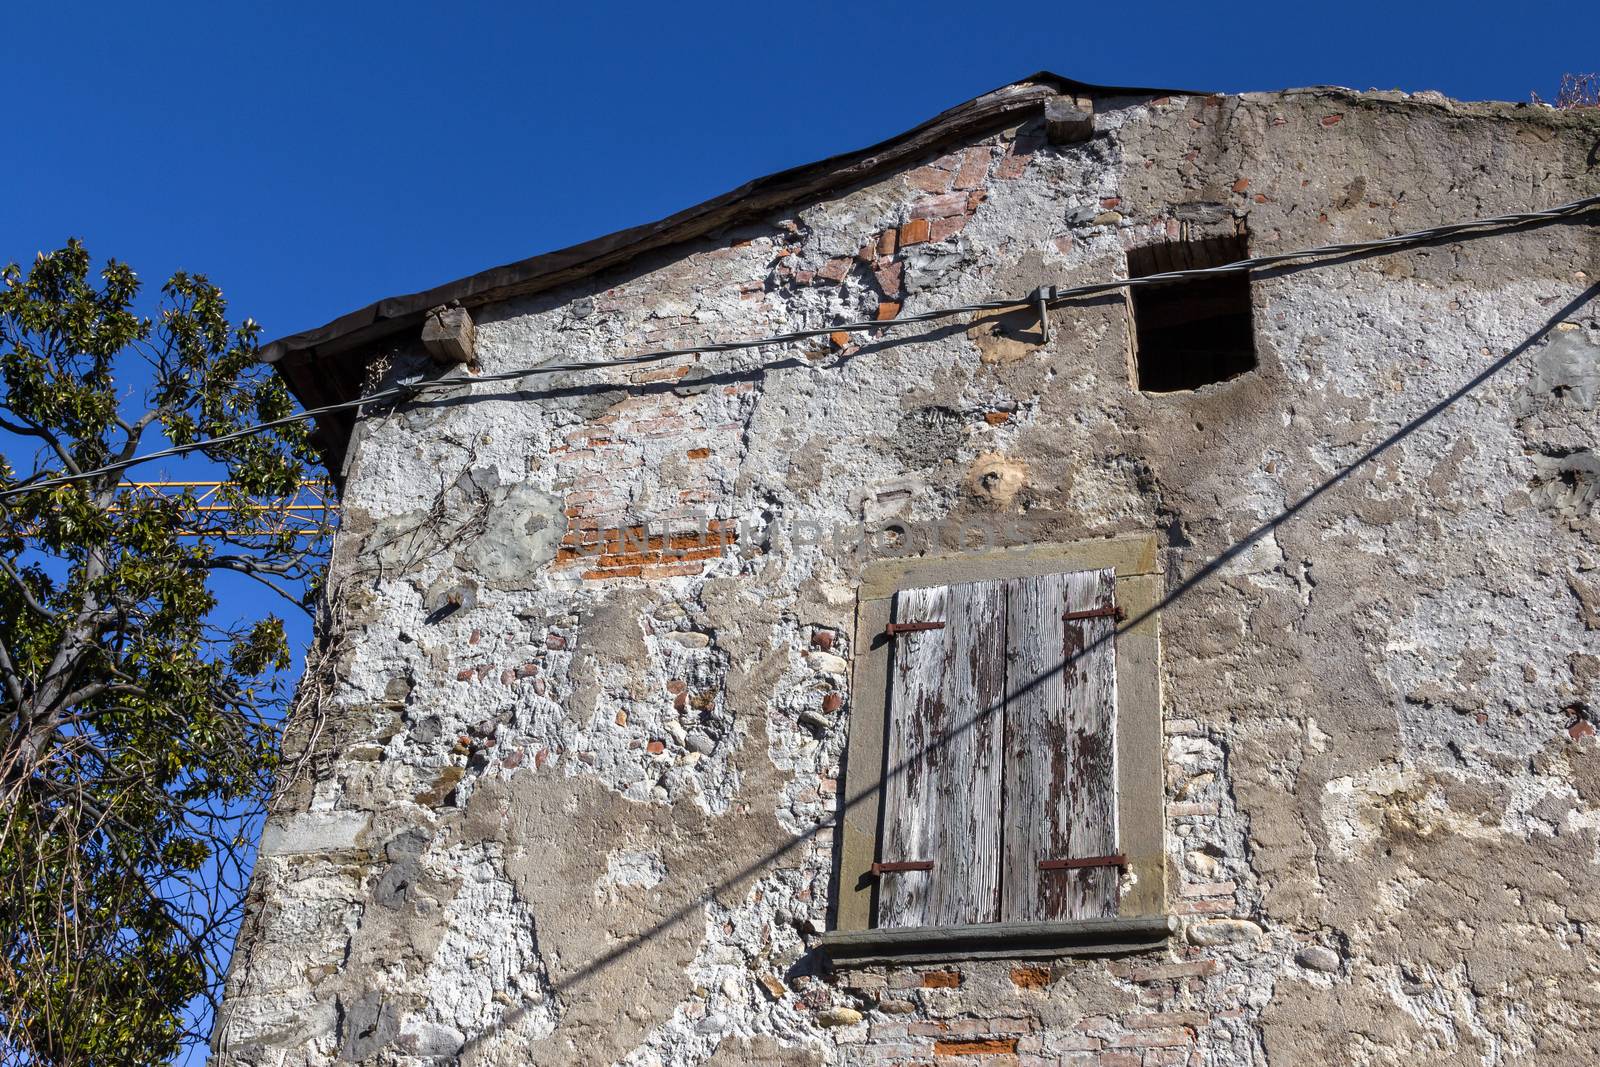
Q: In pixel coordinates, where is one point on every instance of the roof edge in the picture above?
(387, 317)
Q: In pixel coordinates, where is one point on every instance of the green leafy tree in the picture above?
(137, 740)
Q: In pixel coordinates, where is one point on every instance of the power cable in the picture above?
(1049, 297)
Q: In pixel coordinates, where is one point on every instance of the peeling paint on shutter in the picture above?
(1060, 760)
(943, 761)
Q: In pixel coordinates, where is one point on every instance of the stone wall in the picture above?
(566, 768)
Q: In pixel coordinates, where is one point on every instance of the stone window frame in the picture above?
(1143, 922)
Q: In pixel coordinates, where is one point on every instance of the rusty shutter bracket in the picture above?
(1119, 860)
(900, 868)
(1113, 612)
(896, 628)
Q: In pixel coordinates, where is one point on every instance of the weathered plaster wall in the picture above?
(568, 802)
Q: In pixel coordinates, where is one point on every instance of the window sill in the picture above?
(1081, 937)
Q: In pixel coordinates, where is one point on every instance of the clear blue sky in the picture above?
(314, 157)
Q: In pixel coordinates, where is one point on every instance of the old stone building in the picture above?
(1201, 674)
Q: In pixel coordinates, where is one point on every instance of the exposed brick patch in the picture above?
(1030, 976)
(941, 980)
(984, 1046)
(929, 179)
(698, 453)
(946, 228)
(890, 278)
(914, 232)
(639, 551)
(974, 168)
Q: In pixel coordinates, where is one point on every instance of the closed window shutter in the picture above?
(942, 793)
(1061, 752)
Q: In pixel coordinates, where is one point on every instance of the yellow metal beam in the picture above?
(311, 510)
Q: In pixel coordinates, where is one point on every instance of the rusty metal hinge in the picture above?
(1119, 860)
(1113, 612)
(900, 868)
(895, 628)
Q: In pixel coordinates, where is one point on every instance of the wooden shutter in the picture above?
(942, 788)
(1060, 749)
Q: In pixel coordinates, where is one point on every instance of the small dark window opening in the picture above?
(1190, 334)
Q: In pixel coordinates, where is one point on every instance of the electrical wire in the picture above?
(1049, 297)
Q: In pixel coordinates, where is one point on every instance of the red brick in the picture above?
(1332, 120)
(930, 179)
(1241, 185)
(614, 572)
(832, 702)
(987, 1046)
(1581, 729)
(997, 418)
(887, 309)
(938, 207)
(835, 269)
(839, 338)
(890, 279)
(990, 1026)
(822, 639)
(1214, 906)
(664, 375)
(1109, 202)
(1013, 165)
(672, 570)
(914, 232)
(698, 453)
(943, 229)
(1030, 976)
(974, 169)
(886, 243)
(655, 748)
(941, 980)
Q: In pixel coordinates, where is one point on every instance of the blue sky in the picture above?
(311, 158)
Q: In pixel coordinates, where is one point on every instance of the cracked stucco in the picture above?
(553, 819)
